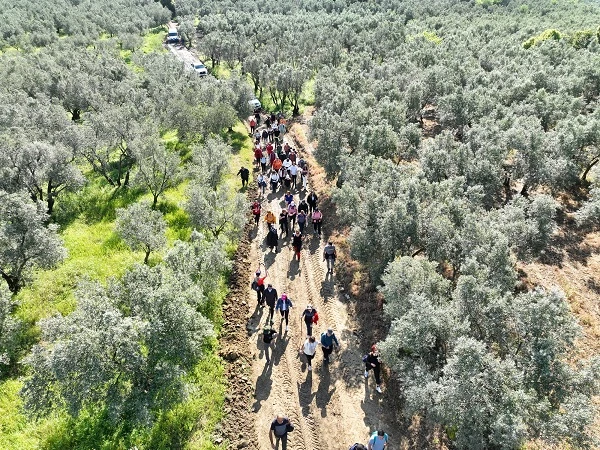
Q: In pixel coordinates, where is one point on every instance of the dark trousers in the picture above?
(284, 227)
(285, 315)
(292, 220)
(376, 371)
(317, 227)
(301, 226)
(309, 359)
(259, 293)
(283, 440)
(268, 347)
(274, 186)
(327, 352)
(271, 313)
(309, 326)
(256, 218)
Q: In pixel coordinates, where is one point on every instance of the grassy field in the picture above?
(95, 251)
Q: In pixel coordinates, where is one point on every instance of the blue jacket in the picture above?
(279, 304)
(327, 341)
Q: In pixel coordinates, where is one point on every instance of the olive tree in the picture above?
(142, 228)
(126, 347)
(27, 242)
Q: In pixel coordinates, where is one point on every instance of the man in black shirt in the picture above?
(270, 297)
(268, 336)
(244, 175)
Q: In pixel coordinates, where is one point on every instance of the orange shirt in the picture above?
(277, 164)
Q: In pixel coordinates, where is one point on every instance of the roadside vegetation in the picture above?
(110, 304)
(457, 134)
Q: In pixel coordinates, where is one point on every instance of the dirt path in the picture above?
(331, 406)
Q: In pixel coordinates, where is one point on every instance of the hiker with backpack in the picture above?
(378, 440)
(269, 334)
(280, 427)
(258, 284)
(256, 208)
(311, 317)
(270, 298)
(329, 255)
(284, 304)
(328, 342)
(252, 125)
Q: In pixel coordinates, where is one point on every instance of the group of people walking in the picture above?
(280, 165)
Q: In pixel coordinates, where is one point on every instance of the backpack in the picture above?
(254, 285)
(365, 357)
(357, 446)
(315, 318)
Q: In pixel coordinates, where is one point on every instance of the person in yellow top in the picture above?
(270, 219)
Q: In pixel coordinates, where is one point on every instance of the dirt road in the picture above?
(333, 405)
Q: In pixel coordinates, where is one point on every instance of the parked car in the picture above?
(173, 36)
(200, 69)
(255, 104)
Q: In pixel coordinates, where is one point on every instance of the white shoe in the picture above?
(378, 389)
(287, 328)
(309, 367)
(366, 374)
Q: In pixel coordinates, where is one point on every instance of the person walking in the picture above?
(277, 164)
(378, 440)
(301, 221)
(262, 183)
(303, 206)
(329, 255)
(311, 317)
(283, 223)
(297, 244)
(309, 349)
(252, 125)
(294, 174)
(328, 342)
(258, 154)
(288, 197)
(269, 334)
(317, 220)
(357, 446)
(373, 362)
(258, 284)
(312, 201)
(272, 238)
(270, 298)
(284, 304)
(270, 219)
(263, 163)
(256, 208)
(304, 177)
(244, 175)
(265, 135)
(280, 427)
(274, 178)
(292, 212)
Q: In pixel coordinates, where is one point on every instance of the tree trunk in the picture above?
(76, 115)
(154, 200)
(589, 167)
(14, 284)
(126, 182)
(147, 256)
(524, 190)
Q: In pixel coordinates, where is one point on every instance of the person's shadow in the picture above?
(305, 393)
(264, 383)
(293, 269)
(324, 393)
(283, 339)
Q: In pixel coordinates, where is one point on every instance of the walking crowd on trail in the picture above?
(283, 169)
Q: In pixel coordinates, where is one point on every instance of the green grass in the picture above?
(153, 40)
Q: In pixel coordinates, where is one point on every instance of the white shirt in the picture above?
(294, 170)
(274, 176)
(310, 347)
(287, 163)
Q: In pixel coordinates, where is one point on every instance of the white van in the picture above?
(172, 36)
